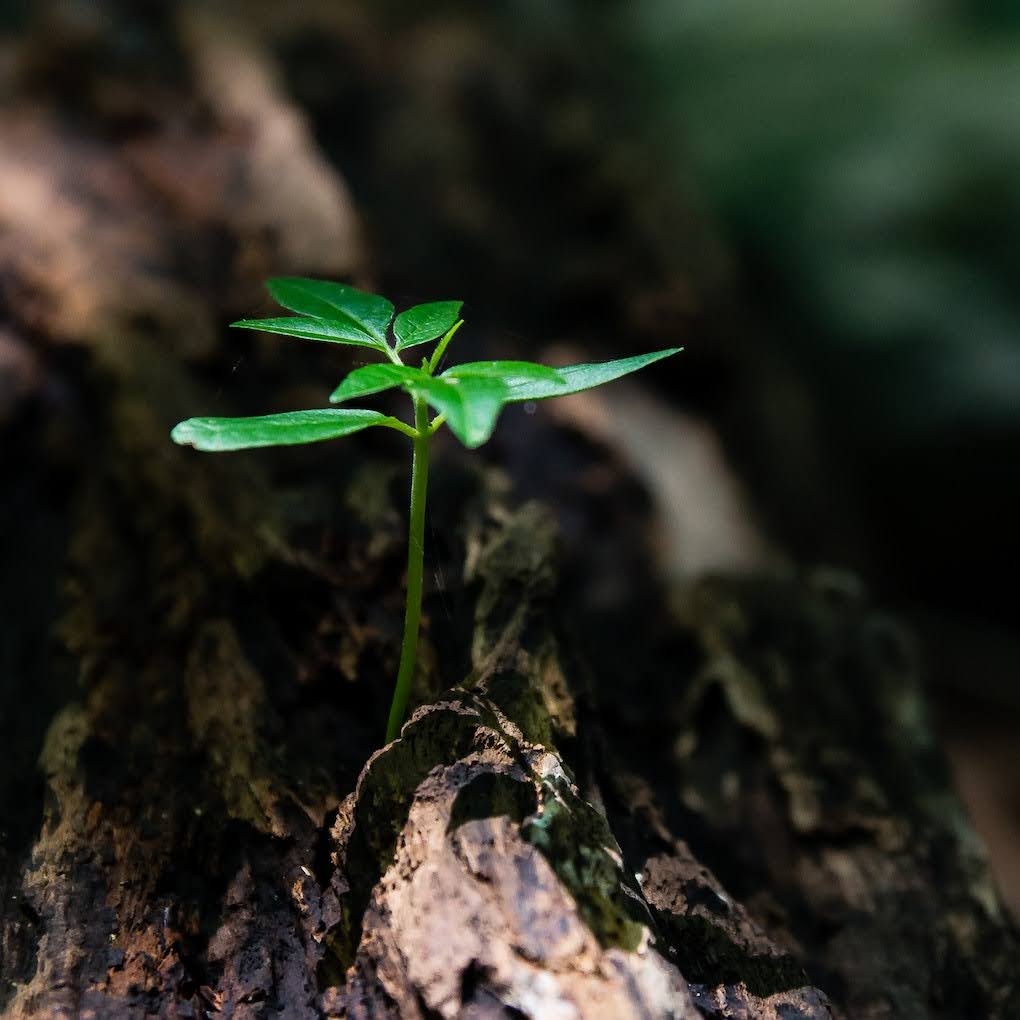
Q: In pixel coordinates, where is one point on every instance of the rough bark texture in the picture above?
(728, 808)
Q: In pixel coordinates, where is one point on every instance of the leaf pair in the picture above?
(339, 314)
(470, 396)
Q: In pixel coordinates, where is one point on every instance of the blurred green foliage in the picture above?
(866, 155)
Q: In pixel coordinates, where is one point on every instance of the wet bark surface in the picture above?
(617, 798)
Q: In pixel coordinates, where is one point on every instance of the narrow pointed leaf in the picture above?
(471, 405)
(510, 372)
(581, 377)
(422, 323)
(333, 332)
(374, 379)
(288, 429)
(323, 299)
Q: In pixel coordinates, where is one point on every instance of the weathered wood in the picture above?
(798, 760)
(186, 763)
(505, 892)
(209, 831)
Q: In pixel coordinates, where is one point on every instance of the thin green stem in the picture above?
(440, 350)
(401, 426)
(437, 424)
(415, 570)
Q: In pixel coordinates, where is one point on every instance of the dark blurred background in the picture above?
(821, 202)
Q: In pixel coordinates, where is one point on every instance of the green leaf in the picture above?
(287, 429)
(323, 299)
(374, 379)
(581, 377)
(471, 405)
(333, 332)
(510, 372)
(422, 323)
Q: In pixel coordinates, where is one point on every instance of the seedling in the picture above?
(467, 398)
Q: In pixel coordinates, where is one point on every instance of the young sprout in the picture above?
(467, 399)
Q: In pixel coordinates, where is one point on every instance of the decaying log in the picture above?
(505, 892)
(798, 760)
(197, 820)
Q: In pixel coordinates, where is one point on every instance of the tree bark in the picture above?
(198, 819)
